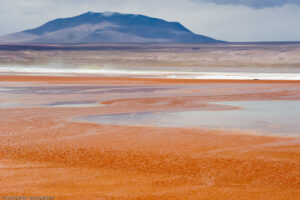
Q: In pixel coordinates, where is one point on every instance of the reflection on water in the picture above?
(90, 89)
(10, 105)
(61, 104)
(270, 117)
(75, 104)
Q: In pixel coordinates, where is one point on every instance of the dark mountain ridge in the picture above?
(108, 27)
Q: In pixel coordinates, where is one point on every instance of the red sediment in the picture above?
(43, 153)
(121, 80)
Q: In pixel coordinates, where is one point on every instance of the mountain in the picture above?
(108, 27)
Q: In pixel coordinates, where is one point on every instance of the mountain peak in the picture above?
(106, 14)
(108, 27)
(109, 14)
(88, 13)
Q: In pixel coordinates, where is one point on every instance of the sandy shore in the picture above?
(44, 153)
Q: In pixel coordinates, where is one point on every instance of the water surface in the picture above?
(73, 104)
(268, 117)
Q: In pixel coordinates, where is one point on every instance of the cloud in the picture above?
(253, 3)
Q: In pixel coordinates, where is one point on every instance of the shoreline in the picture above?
(117, 80)
(191, 73)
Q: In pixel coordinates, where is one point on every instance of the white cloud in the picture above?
(226, 22)
(253, 3)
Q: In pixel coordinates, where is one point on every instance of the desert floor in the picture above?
(239, 56)
(44, 152)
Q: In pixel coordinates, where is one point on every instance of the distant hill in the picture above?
(107, 27)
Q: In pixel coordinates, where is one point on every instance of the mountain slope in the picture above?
(108, 27)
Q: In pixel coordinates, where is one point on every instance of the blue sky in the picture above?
(231, 20)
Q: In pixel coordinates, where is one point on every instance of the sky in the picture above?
(230, 20)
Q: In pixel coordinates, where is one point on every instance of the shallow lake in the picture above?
(268, 117)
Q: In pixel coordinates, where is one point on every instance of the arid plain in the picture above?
(48, 149)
